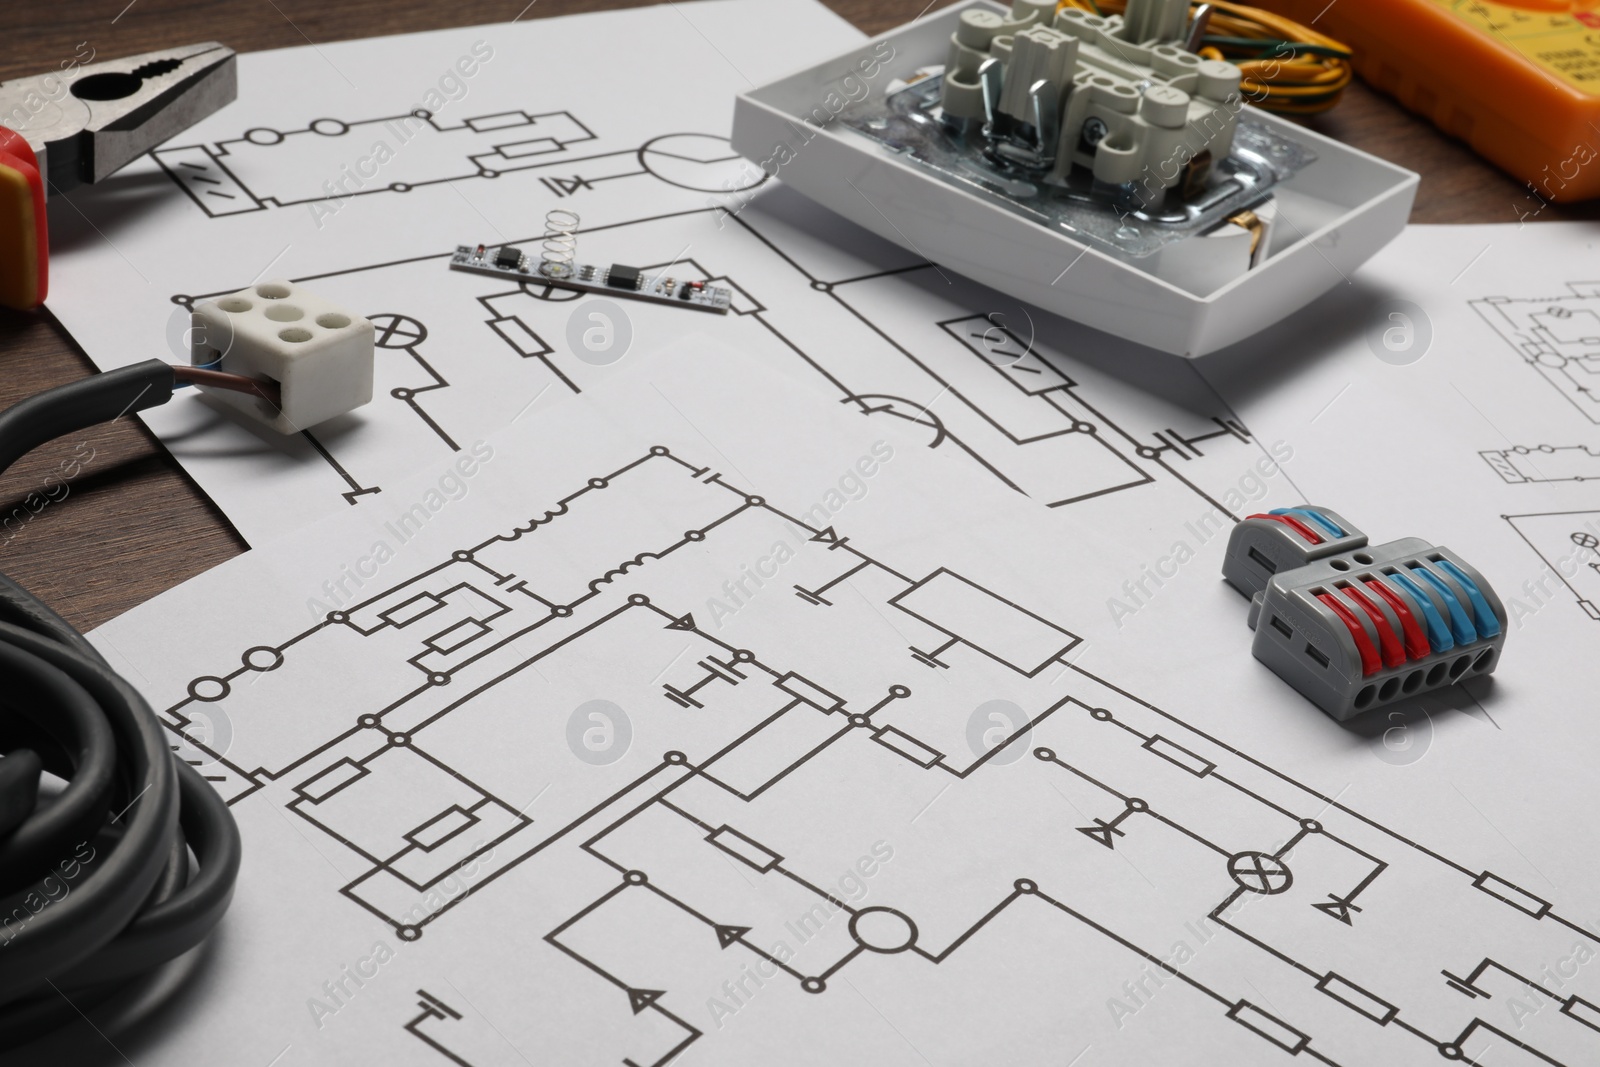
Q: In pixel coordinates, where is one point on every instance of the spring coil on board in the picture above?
(560, 243)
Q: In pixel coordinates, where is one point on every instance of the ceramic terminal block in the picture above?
(1025, 13)
(1354, 626)
(1112, 94)
(1143, 116)
(1038, 53)
(319, 354)
(1091, 29)
(1177, 67)
(970, 44)
(1164, 106)
(961, 96)
(1217, 80)
(1155, 20)
(977, 28)
(949, 173)
(1037, 11)
(963, 62)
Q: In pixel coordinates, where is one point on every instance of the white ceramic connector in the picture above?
(319, 354)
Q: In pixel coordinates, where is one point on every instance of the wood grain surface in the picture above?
(131, 524)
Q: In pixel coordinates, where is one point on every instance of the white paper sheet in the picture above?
(618, 729)
(1473, 810)
(1447, 394)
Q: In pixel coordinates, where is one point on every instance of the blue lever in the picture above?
(1459, 623)
(1488, 625)
(1438, 633)
(1316, 518)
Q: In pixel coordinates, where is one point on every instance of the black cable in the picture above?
(97, 884)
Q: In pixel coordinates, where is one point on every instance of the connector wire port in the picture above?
(1262, 561)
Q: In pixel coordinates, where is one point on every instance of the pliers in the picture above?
(61, 129)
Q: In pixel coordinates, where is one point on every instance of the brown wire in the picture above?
(265, 389)
(1249, 220)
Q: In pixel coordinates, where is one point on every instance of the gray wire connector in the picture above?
(1352, 626)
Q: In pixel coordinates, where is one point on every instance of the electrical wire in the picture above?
(123, 858)
(238, 383)
(1284, 66)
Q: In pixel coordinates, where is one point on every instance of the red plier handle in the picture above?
(24, 228)
(84, 124)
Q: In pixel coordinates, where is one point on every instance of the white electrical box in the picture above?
(1091, 166)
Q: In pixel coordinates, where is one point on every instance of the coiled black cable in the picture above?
(132, 862)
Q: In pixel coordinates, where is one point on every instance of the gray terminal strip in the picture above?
(1352, 626)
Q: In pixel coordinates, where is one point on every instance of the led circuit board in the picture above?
(617, 279)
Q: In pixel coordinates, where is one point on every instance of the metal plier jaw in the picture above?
(86, 123)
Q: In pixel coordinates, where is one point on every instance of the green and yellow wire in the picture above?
(1284, 66)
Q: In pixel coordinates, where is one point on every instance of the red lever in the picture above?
(1417, 646)
(1294, 524)
(1369, 654)
(1393, 654)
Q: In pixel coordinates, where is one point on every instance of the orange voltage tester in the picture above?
(1518, 80)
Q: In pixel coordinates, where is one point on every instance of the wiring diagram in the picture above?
(660, 763)
(892, 335)
(1559, 337)
(1288, 921)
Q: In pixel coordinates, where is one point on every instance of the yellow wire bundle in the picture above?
(1286, 67)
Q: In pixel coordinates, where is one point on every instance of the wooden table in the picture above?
(133, 524)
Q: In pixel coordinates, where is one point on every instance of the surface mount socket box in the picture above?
(1354, 626)
(319, 354)
(1518, 80)
(877, 136)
